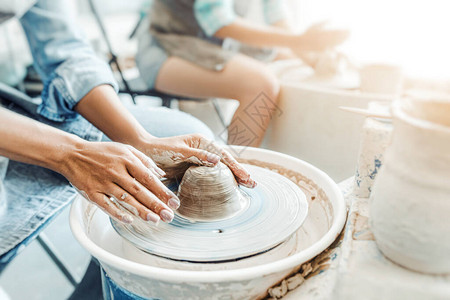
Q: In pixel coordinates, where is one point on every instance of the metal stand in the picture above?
(113, 59)
(51, 251)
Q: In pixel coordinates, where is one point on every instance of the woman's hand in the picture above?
(119, 178)
(175, 154)
(317, 39)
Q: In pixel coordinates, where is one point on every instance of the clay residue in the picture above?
(307, 270)
(312, 191)
(88, 214)
(174, 164)
(361, 230)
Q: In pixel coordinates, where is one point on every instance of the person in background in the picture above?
(61, 136)
(184, 53)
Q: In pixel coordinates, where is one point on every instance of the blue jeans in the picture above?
(35, 195)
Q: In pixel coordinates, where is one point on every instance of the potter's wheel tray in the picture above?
(274, 210)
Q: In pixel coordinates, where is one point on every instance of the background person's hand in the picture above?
(318, 38)
(175, 154)
(119, 178)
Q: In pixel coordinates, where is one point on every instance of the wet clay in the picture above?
(209, 193)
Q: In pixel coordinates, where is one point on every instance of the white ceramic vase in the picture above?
(410, 201)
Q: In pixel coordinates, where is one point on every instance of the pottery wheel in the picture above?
(272, 212)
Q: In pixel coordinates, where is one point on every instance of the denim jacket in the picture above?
(65, 61)
(69, 69)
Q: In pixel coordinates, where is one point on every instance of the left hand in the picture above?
(175, 154)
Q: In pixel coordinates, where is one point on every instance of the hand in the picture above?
(175, 154)
(317, 38)
(120, 179)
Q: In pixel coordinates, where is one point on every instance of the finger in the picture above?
(335, 37)
(153, 184)
(242, 176)
(198, 152)
(147, 198)
(318, 26)
(105, 204)
(128, 202)
(148, 162)
(200, 157)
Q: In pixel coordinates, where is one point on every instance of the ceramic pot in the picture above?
(410, 201)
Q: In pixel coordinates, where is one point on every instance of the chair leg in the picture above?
(219, 112)
(90, 287)
(166, 101)
(113, 60)
(50, 249)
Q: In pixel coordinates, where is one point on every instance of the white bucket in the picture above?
(325, 221)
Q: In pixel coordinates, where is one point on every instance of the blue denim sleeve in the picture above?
(274, 10)
(65, 61)
(212, 15)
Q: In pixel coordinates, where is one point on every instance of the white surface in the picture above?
(4, 295)
(243, 281)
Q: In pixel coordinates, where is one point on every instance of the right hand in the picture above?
(317, 39)
(175, 154)
(112, 175)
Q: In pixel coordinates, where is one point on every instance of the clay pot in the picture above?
(410, 201)
(209, 193)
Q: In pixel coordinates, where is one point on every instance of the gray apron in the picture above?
(175, 28)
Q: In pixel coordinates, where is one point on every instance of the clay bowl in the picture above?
(148, 277)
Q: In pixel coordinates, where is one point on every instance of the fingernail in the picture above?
(166, 215)
(160, 172)
(212, 158)
(127, 219)
(173, 203)
(153, 218)
(250, 184)
(153, 171)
